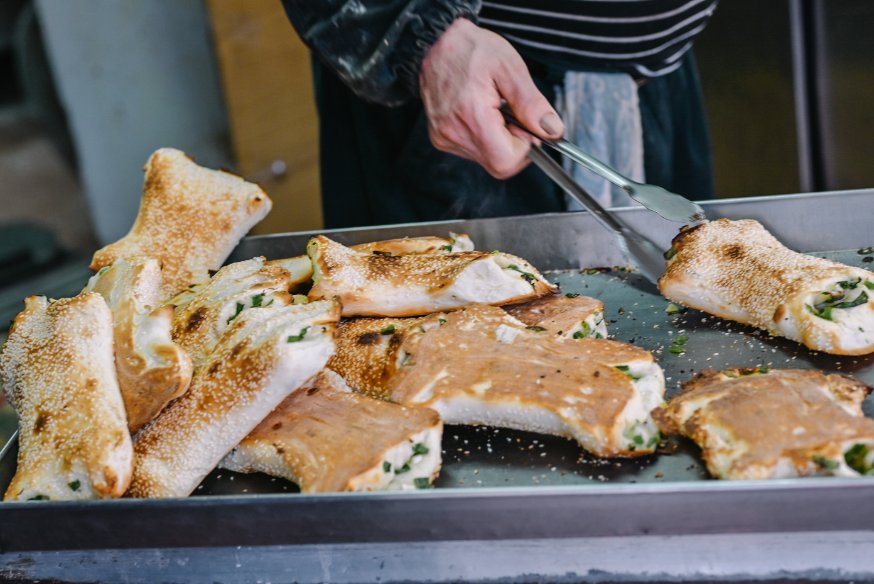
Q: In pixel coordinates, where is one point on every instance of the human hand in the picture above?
(465, 76)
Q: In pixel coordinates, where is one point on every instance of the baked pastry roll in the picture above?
(209, 309)
(739, 271)
(479, 365)
(58, 373)
(326, 438)
(769, 424)
(151, 368)
(373, 284)
(570, 316)
(190, 219)
(264, 356)
(301, 267)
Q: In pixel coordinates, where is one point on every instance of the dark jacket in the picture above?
(376, 47)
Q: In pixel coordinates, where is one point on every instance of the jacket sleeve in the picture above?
(376, 47)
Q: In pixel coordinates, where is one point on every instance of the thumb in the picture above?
(530, 107)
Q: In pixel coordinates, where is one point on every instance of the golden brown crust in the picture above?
(481, 354)
(152, 369)
(328, 436)
(755, 424)
(200, 322)
(557, 313)
(416, 284)
(739, 271)
(58, 373)
(301, 268)
(365, 349)
(190, 219)
(251, 370)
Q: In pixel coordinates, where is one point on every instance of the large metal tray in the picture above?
(501, 485)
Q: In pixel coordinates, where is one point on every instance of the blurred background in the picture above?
(89, 88)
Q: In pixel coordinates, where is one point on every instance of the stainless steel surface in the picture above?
(643, 254)
(502, 486)
(700, 558)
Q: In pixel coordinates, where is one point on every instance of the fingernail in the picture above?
(551, 124)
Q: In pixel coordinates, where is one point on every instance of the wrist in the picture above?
(424, 30)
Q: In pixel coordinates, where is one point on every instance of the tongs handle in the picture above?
(574, 152)
(643, 253)
(671, 206)
(553, 170)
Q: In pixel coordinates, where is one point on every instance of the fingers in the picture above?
(526, 102)
(463, 80)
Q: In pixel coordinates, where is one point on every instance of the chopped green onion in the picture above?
(869, 285)
(638, 439)
(403, 469)
(39, 498)
(826, 463)
(654, 440)
(422, 482)
(299, 336)
(386, 466)
(579, 335)
(535, 328)
(446, 247)
(856, 458)
(382, 253)
(419, 448)
(865, 250)
(257, 300)
(527, 276)
(860, 299)
(680, 340)
(676, 350)
(442, 321)
(627, 371)
(387, 330)
(240, 307)
(849, 284)
(670, 253)
(825, 313)
(572, 295)
(74, 485)
(673, 308)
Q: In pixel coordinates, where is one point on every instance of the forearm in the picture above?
(376, 47)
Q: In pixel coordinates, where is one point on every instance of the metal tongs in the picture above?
(642, 252)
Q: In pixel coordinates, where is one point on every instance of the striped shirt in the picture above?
(645, 38)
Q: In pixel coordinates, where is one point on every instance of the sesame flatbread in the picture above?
(327, 438)
(478, 365)
(58, 373)
(190, 219)
(739, 271)
(151, 368)
(780, 423)
(371, 284)
(264, 356)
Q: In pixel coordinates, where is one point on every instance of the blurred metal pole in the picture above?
(806, 37)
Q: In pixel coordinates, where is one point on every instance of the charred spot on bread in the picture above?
(369, 338)
(733, 251)
(196, 318)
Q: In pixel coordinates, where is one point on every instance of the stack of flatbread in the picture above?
(159, 371)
